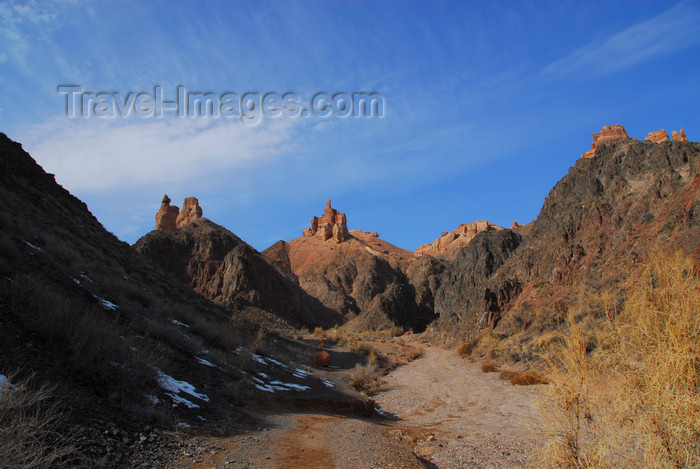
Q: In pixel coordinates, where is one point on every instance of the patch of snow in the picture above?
(259, 359)
(106, 303)
(272, 360)
(9, 279)
(299, 373)
(183, 424)
(238, 350)
(177, 399)
(327, 383)
(205, 362)
(383, 414)
(262, 374)
(201, 418)
(126, 277)
(85, 277)
(36, 248)
(178, 323)
(152, 399)
(176, 387)
(76, 280)
(297, 387)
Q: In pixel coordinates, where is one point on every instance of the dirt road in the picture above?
(443, 412)
(462, 416)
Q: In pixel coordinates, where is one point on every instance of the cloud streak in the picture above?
(94, 155)
(673, 30)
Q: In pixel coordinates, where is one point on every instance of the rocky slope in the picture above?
(130, 351)
(596, 223)
(223, 268)
(358, 275)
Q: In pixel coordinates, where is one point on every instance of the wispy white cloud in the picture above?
(100, 155)
(673, 30)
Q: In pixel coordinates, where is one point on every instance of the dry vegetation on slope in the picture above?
(634, 401)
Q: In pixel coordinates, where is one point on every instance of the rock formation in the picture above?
(658, 136)
(166, 218)
(609, 132)
(190, 211)
(595, 225)
(332, 224)
(679, 137)
(515, 225)
(223, 268)
(169, 216)
(452, 241)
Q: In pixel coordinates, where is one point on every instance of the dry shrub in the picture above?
(366, 378)
(507, 373)
(372, 357)
(634, 401)
(488, 366)
(29, 435)
(466, 349)
(318, 332)
(526, 378)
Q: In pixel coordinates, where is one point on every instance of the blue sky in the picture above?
(487, 104)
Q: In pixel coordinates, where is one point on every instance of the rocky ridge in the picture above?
(595, 224)
(451, 242)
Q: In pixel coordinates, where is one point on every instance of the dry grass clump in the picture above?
(488, 366)
(366, 378)
(467, 348)
(29, 435)
(507, 373)
(528, 377)
(634, 401)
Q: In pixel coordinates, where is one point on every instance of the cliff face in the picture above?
(223, 268)
(595, 224)
(361, 277)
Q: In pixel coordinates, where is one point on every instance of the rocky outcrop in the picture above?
(169, 216)
(332, 224)
(658, 136)
(166, 218)
(609, 132)
(223, 268)
(190, 211)
(449, 243)
(679, 137)
(361, 278)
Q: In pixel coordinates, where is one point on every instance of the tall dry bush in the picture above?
(635, 400)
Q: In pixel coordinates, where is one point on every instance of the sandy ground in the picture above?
(471, 418)
(442, 412)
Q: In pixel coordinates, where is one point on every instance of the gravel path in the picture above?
(460, 416)
(444, 412)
